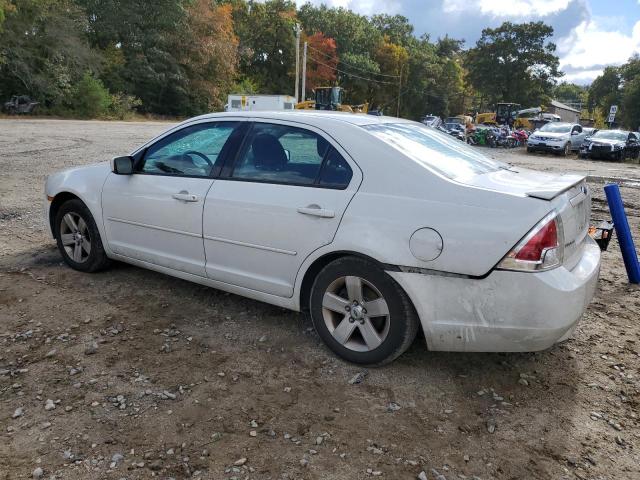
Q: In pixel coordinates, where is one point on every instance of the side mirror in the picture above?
(288, 155)
(122, 165)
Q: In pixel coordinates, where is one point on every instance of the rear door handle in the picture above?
(316, 211)
(185, 196)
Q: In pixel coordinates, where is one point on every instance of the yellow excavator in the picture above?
(331, 98)
(521, 118)
(503, 112)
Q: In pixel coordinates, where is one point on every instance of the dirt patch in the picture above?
(132, 374)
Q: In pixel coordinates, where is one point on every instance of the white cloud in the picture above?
(508, 8)
(364, 7)
(585, 52)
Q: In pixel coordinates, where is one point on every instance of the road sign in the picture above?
(611, 118)
(613, 110)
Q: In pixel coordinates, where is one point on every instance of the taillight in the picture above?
(541, 249)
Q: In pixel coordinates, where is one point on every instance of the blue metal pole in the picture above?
(625, 239)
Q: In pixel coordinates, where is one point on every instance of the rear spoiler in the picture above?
(556, 186)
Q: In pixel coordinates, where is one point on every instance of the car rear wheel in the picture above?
(361, 313)
(78, 238)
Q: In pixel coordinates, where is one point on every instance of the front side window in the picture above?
(290, 155)
(190, 152)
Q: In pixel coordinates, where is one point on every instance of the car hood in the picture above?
(525, 182)
(606, 141)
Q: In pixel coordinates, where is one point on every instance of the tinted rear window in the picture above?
(435, 150)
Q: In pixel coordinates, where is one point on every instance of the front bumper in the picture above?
(546, 146)
(506, 311)
(601, 153)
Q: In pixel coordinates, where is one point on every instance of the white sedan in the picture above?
(375, 225)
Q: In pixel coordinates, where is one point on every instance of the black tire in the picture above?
(566, 151)
(402, 318)
(530, 150)
(96, 259)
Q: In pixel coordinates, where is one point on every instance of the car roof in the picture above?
(310, 117)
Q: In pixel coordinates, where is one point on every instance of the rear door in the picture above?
(281, 199)
(577, 137)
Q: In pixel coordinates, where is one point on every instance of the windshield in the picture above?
(556, 128)
(435, 150)
(610, 135)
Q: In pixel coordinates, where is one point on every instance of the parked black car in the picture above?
(611, 145)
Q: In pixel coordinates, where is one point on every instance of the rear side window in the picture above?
(290, 155)
(336, 172)
(435, 150)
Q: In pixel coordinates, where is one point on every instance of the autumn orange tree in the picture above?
(322, 61)
(209, 53)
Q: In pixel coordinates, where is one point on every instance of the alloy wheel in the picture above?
(74, 234)
(355, 313)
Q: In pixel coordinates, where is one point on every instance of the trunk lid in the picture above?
(567, 194)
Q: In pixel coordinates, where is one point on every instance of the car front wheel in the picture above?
(361, 313)
(78, 237)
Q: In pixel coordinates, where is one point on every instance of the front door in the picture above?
(155, 215)
(282, 199)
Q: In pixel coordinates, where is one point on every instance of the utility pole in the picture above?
(297, 63)
(399, 90)
(303, 95)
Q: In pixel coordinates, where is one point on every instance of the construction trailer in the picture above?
(241, 103)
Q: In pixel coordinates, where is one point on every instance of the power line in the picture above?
(351, 74)
(351, 65)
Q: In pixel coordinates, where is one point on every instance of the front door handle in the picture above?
(185, 196)
(316, 211)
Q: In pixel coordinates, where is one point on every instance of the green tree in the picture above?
(571, 92)
(89, 98)
(266, 33)
(5, 7)
(177, 56)
(396, 28)
(630, 107)
(515, 63)
(605, 90)
(352, 32)
(44, 50)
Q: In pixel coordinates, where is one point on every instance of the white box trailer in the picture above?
(239, 103)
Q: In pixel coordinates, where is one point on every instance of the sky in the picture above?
(589, 34)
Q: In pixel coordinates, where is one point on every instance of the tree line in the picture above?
(108, 58)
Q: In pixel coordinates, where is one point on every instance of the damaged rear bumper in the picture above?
(505, 311)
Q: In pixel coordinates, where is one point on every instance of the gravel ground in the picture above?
(133, 374)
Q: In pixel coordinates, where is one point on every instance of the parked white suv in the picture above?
(557, 137)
